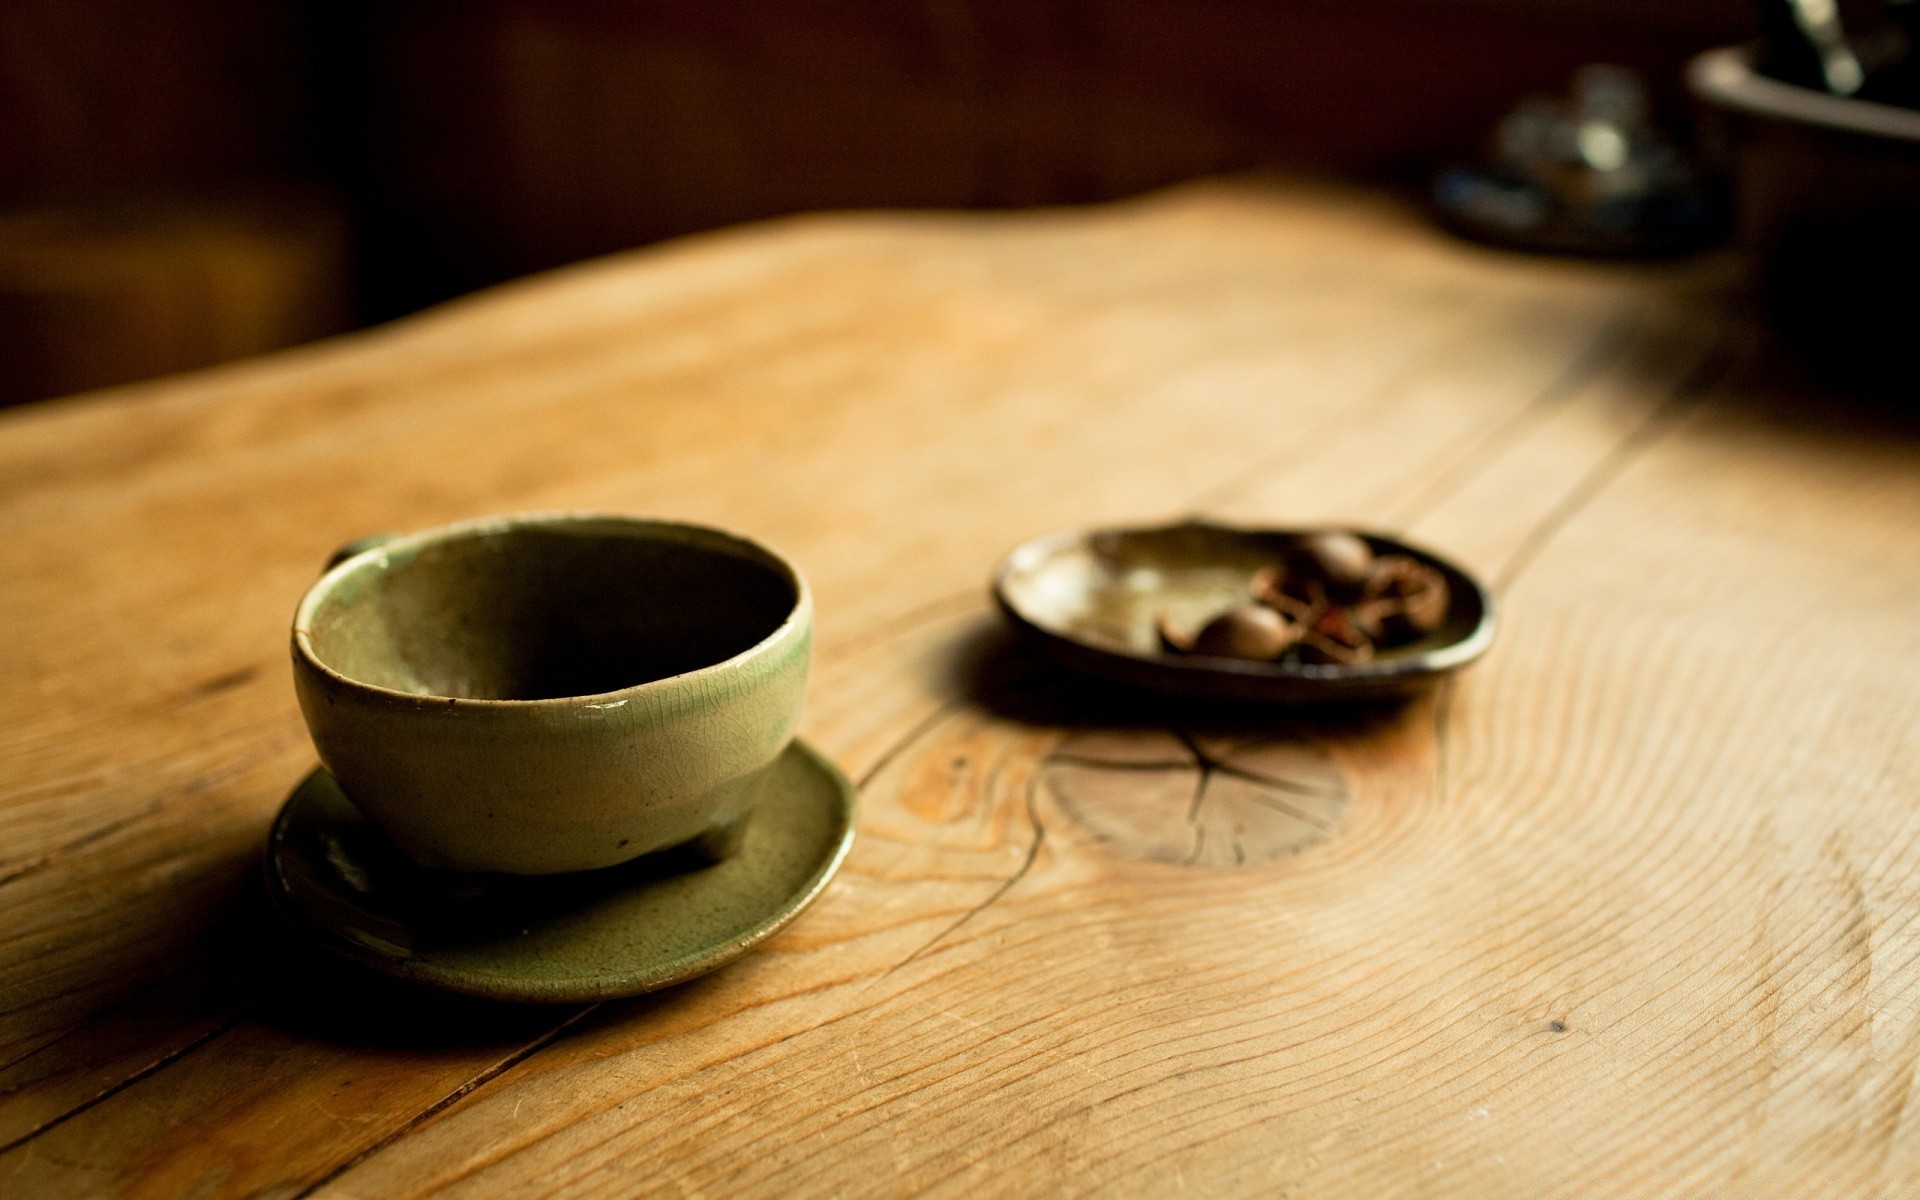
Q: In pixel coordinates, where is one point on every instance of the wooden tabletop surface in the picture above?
(1630, 909)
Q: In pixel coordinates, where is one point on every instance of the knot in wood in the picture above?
(1198, 801)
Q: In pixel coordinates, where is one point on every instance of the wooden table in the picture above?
(1629, 910)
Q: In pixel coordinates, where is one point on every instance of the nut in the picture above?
(1295, 596)
(1404, 598)
(1247, 631)
(1318, 648)
(1344, 560)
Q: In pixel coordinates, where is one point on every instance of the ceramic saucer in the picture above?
(592, 935)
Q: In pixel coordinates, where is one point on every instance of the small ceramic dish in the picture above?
(1091, 601)
(587, 935)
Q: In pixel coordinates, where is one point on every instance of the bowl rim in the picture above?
(795, 623)
(1724, 76)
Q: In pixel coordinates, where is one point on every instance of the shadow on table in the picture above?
(999, 673)
(302, 989)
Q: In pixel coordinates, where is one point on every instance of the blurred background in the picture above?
(188, 181)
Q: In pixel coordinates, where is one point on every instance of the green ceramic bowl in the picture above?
(549, 693)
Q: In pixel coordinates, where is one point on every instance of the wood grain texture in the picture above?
(1628, 910)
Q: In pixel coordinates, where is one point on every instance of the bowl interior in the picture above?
(539, 611)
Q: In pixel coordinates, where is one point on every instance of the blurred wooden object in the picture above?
(1632, 909)
(515, 135)
(105, 293)
(479, 139)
